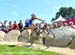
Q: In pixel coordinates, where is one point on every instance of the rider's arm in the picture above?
(38, 19)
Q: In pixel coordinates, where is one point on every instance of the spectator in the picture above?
(54, 25)
(15, 26)
(71, 25)
(0, 26)
(60, 24)
(42, 25)
(4, 26)
(20, 26)
(10, 26)
(5, 23)
(51, 26)
(66, 24)
(46, 26)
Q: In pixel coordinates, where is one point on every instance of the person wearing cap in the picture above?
(29, 22)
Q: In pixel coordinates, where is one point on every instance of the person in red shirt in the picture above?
(15, 26)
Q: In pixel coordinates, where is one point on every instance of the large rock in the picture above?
(60, 37)
(12, 36)
(2, 34)
(25, 36)
(72, 45)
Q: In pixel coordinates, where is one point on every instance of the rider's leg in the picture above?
(32, 27)
(32, 30)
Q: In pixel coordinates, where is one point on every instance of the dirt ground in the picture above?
(66, 51)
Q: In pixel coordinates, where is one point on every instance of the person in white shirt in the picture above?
(42, 25)
(0, 26)
(4, 26)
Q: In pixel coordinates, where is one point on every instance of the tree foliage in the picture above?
(66, 12)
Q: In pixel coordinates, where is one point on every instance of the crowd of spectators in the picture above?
(61, 24)
(8, 26)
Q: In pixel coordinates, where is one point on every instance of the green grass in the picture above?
(17, 50)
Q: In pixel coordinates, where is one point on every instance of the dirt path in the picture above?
(66, 51)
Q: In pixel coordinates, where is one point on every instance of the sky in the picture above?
(15, 10)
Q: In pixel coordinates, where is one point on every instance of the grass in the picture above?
(21, 50)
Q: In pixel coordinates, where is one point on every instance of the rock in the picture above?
(62, 37)
(72, 45)
(12, 36)
(2, 34)
(25, 36)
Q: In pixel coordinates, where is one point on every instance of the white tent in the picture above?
(60, 18)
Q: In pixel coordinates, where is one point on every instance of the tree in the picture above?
(53, 19)
(66, 12)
